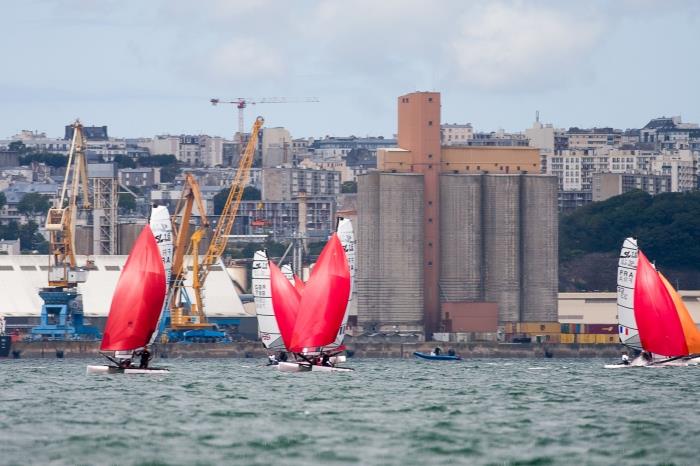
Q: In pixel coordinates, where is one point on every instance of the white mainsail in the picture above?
(268, 330)
(346, 236)
(162, 229)
(626, 274)
(288, 272)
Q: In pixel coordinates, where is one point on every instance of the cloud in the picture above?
(518, 46)
(244, 59)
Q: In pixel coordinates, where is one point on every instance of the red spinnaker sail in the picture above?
(285, 303)
(323, 300)
(659, 325)
(138, 298)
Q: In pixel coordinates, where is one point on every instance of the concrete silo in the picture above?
(367, 273)
(539, 223)
(461, 240)
(501, 230)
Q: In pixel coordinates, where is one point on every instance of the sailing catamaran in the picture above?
(309, 319)
(138, 300)
(652, 316)
(268, 329)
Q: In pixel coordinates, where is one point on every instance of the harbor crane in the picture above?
(62, 312)
(186, 315)
(242, 102)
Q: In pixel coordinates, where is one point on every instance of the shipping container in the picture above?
(602, 328)
(538, 327)
(606, 338)
(585, 338)
(567, 338)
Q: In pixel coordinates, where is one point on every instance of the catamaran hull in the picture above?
(104, 369)
(298, 367)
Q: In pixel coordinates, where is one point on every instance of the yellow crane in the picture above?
(62, 312)
(61, 218)
(180, 318)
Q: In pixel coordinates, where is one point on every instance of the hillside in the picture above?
(667, 227)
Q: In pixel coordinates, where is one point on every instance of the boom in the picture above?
(196, 318)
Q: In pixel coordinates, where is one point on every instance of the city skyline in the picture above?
(145, 69)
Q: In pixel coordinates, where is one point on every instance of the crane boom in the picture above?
(61, 218)
(196, 317)
(242, 102)
(219, 239)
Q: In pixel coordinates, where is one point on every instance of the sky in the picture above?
(150, 67)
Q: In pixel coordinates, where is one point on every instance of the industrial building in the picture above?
(23, 275)
(454, 239)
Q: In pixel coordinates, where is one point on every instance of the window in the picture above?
(430, 123)
(430, 99)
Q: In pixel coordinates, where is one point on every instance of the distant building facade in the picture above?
(440, 232)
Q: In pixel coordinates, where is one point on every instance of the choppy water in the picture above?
(387, 412)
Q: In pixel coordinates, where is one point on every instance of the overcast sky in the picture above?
(150, 67)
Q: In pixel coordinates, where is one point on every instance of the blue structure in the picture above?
(62, 317)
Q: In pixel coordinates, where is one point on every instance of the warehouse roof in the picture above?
(21, 277)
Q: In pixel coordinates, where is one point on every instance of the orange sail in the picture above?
(658, 321)
(690, 331)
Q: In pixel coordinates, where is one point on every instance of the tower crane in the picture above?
(185, 315)
(62, 312)
(242, 102)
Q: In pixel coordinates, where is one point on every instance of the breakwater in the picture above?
(82, 349)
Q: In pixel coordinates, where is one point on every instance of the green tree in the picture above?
(158, 160)
(3, 200)
(31, 240)
(666, 226)
(127, 202)
(349, 187)
(124, 161)
(9, 231)
(52, 160)
(250, 193)
(168, 174)
(33, 203)
(17, 146)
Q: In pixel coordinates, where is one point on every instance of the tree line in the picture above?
(667, 227)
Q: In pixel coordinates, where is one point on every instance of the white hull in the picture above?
(297, 367)
(116, 370)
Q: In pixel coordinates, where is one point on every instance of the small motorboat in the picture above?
(437, 357)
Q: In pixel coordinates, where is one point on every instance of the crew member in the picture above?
(145, 357)
(282, 356)
(125, 363)
(625, 359)
(436, 351)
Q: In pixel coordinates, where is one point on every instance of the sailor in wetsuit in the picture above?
(282, 356)
(125, 363)
(145, 357)
(625, 359)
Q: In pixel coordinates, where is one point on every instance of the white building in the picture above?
(681, 165)
(277, 148)
(455, 134)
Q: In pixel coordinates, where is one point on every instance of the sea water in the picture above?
(389, 411)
